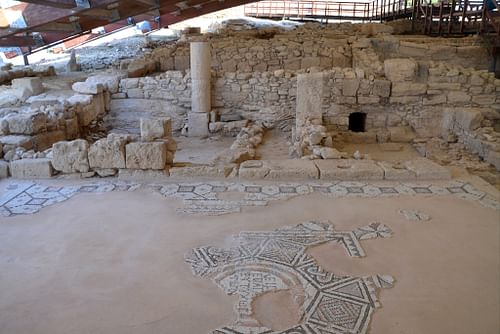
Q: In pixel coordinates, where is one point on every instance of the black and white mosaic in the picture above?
(27, 197)
(268, 261)
(415, 215)
(204, 198)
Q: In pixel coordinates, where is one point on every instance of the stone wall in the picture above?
(314, 45)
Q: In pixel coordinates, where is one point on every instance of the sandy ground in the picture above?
(200, 150)
(113, 263)
(274, 146)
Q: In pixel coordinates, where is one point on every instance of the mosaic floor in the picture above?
(205, 199)
(268, 261)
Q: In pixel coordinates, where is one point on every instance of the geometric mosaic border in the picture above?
(203, 197)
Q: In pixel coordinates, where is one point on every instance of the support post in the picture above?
(200, 89)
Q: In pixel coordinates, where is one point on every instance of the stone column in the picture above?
(200, 89)
(308, 108)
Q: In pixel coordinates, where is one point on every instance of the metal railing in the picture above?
(347, 10)
(437, 17)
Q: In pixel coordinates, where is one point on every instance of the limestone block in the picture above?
(296, 169)
(202, 171)
(181, 62)
(493, 157)
(45, 140)
(396, 171)
(349, 170)
(458, 97)
(401, 134)
(368, 99)
(86, 115)
(405, 99)
(141, 67)
(146, 155)
(72, 129)
(27, 123)
(198, 124)
(33, 85)
(425, 169)
(143, 175)
(71, 156)
(308, 62)
(4, 169)
(484, 99)
(468, 118)
(156, 128)
(80, 99)
(105, 172)
(400, 69)
(135, 93)
(350, 87)
(434, 100)
(381, 88)
(12, 141)
(109, 152)
(21, 94)
(408, 89)
(309, 97)
(110, 82)
(87, 88)
(31, 168)
(328, 153)
(253, 169)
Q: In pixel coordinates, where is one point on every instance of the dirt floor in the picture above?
(274, 145)
(114, 263)
(200, 150)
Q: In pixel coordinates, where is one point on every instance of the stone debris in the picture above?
(71, 157)
(245, 145)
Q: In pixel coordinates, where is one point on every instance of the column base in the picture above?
(198, 124)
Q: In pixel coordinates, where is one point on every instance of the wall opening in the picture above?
(357, 122)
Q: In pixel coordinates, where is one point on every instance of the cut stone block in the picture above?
(27, 124)
(401, 134)
(149, 155)
(87, 88)
(309, 97)
(202, 171)
(31, 168)
(4, 169)
(156, 128)
(13, 141)
(33, 85)
(71, 156)
(143, 175)
(45, 140)
(349, 170)
(295, 169)
(109, 152)
(400, 69)
(427, 170)
(198, 124)
(393, 171)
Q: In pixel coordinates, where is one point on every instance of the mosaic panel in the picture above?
(260, 262)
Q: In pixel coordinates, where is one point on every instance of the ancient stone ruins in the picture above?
(311, 90)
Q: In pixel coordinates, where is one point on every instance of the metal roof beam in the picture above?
(65, 4)
(13, 41)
